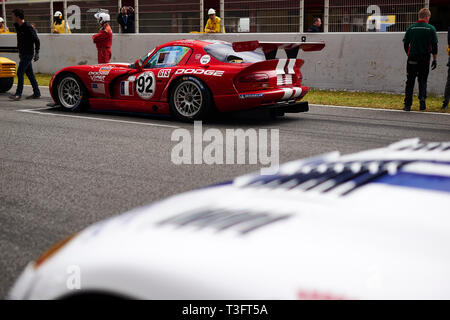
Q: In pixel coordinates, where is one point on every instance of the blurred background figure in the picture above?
(420, 42)
(317, 26)
(28, 45)
(103, 39)
(3, 28)
(126, 20)
(213, 23)
(59, 25)
(447, 86)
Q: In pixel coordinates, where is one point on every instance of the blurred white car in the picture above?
(371, 225)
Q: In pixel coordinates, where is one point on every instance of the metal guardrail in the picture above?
(9, 50)
(170, 16)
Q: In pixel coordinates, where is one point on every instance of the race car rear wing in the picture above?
(270, 49)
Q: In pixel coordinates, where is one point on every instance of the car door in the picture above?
(158, 69)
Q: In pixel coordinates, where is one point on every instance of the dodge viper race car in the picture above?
(371, 225)
(191, 78)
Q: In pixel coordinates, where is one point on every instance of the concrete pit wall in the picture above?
(350, 61)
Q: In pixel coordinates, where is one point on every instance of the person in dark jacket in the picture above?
(28, 45)
(126, 19)
(447, 86)
(316, 27)
(419, 42)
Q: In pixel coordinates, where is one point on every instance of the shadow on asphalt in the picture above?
(242, 118)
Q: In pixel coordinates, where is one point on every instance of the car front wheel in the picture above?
(6, 84)
(71, 93)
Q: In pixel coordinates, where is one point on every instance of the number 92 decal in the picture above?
(145, 85)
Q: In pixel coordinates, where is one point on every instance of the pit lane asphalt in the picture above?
(59, 174)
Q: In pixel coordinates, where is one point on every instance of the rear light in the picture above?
(254, 77)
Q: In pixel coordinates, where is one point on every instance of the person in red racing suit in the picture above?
(103, 39)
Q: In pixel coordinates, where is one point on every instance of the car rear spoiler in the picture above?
(270, 49)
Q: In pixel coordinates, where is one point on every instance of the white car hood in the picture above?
(254, 238)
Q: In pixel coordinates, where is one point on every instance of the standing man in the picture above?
(447, 86)
(316, 27)
(3, 28)
(103, 39)
(28, 45)
(59, 25)
(420, 40)
(213, 23)
(126, 19)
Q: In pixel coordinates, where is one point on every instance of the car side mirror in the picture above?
(138, 65)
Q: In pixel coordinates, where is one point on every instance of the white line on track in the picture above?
(38, 111)
(362, 108)
(377, 109)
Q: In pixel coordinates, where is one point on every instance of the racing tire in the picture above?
(190, 100)
(6, 84)
(70, 93)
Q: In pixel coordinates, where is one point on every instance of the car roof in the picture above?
(191, 43)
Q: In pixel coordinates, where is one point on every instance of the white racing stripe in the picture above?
(291, 65)
(291, 93)
(288, 92)
(298, 92)
(280, 66)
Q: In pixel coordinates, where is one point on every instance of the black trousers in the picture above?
(417, 67)
(447, 86)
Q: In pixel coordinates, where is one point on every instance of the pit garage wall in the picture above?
(350, 61)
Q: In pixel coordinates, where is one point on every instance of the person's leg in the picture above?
(32, 78)
(411, 73)
(424, 70)
(23, 65)
(100, 56)
(447, 88)
(108, 55)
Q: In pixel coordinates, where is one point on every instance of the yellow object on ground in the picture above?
(8, 70)
(59, 28)
(448, 50)
(213, 26)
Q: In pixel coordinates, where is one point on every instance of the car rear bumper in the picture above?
(290, 107)
(275, 98)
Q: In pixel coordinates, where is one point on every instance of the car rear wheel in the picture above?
(6, 84)
(71, 93)
(190, 100)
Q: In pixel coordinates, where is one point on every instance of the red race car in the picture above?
(190, 79)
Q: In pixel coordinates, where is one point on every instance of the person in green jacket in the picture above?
(419, 42)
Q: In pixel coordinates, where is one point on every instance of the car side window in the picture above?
(167, 57)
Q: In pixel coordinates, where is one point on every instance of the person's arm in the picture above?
(102, 35)
(120, 20)
(68, 29)
(448, 36)
(207, 27)
(37, 43)
(406, 42)
(218, 24)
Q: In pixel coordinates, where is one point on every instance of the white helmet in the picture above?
(1, 20)
(58, 14)
(211, 11)
(102, 17)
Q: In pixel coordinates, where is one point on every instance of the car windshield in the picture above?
(142, 60)
(224, 52)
